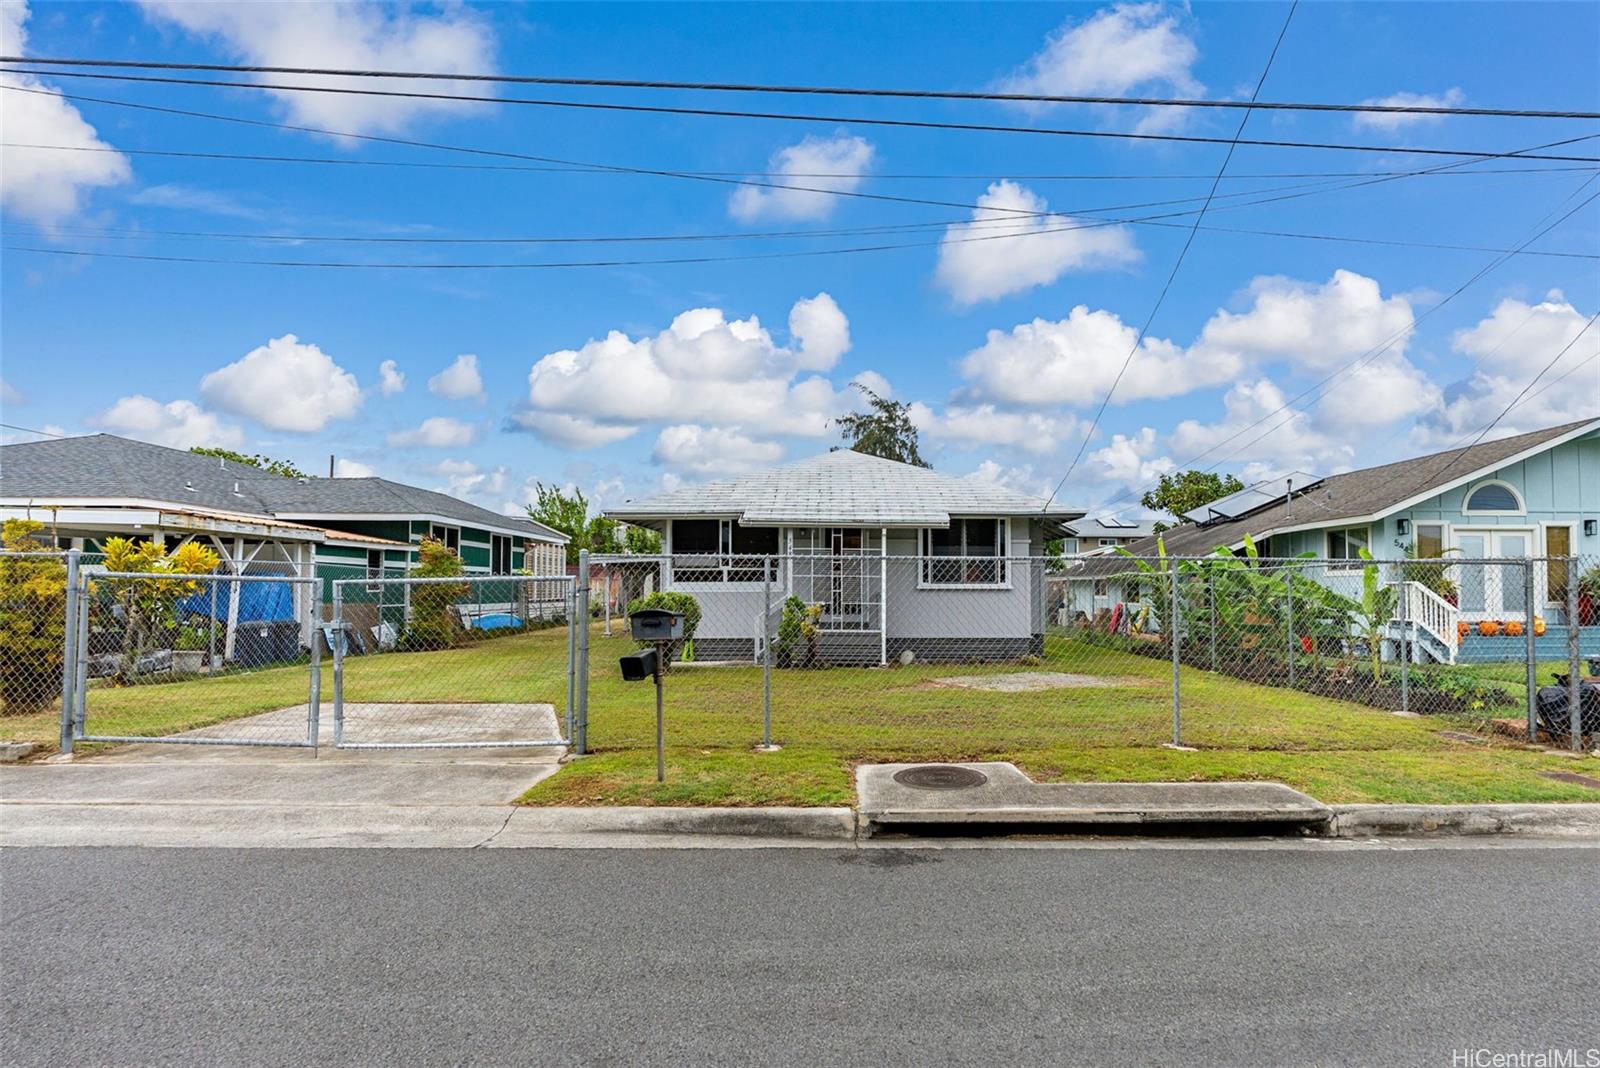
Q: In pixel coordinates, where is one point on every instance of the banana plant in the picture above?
(1376, 610)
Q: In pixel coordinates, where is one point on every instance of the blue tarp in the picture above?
(259, 602)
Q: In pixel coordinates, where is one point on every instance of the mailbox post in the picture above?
(661, 629)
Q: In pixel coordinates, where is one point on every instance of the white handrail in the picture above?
(1432, 613)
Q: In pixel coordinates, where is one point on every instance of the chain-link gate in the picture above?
(191, 659)
(455, 662)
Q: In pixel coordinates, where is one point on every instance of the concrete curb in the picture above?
(838, 824)
(1366, 821)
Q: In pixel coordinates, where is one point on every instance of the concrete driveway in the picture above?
(86, 797)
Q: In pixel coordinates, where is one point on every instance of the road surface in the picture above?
(1209, 955)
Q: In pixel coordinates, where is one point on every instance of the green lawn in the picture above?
(827, 721)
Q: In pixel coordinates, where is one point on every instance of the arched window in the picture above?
(1494, 498)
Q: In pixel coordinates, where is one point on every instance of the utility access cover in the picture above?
(940, 777)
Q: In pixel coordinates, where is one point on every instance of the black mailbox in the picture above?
(636, 667)
(656, 625)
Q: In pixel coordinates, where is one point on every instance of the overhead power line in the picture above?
(1543, 227)
(1172, 275)
(341, 161)
(856, 120)
(1367, 107)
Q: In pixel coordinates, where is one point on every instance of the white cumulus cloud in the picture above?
(1311, 325)
(703, 369)
(1112, 52)
(1392, 121)
(711, 452)
(343, 467)
(436, 432)
(285, 385)
(179, 424)
(391, 379)
(43, 185)
(460, 381)
(816, 163)
(360, 36)
(1010, 246)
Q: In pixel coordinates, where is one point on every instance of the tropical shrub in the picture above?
(796, 644)
(33, 598)
(434, 623)
(148, 606)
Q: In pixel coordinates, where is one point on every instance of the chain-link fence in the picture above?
(968, 656)
(463, 661)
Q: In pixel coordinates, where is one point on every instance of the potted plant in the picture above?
(1589, 597)
(188, 650)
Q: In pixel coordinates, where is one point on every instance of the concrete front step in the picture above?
(1009, 797)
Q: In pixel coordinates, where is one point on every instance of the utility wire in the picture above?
(1367, 357)
(140, 234)
(1178, 263)
(856, 120)
(1491, 424)
(818, 90)
(875, 175)
(1527, 153)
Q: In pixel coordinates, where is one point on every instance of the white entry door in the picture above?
(1493, 590)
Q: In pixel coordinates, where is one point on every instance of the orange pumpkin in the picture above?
(1513, 628)
(1538, 626)
(1489, 627)
(1463, 628)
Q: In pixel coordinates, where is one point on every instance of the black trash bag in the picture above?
(1555, 712)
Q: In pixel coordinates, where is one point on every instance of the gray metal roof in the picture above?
(843, 488)
(1356, 495)
(108, 467)
(1111, 528)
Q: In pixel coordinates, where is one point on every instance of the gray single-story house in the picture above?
(1091, 537)
(1534, 495)
(901, 559)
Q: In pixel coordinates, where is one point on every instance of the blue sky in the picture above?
(623, 379)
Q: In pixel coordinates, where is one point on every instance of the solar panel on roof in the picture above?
(1252, 498)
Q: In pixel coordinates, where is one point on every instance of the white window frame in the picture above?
(1542, 579)
(724, 557)
(1345, 563)
(374, 574)
(434, 532)
(924, 555)
(1466, 500)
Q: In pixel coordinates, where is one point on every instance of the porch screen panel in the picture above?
(696, 549)
(750, 546)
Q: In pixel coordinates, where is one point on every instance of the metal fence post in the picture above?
(571, 609)
(581, 738)
(1405, 643)
(338, 663)
(1574, 708)
(69, 650)
(314, 709)
(766, 654)
(1288, 585)
(81, 705)
(1211, 599)
(1177, 639)
(1529, 655)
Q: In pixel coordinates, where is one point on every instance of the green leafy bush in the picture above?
(33, 597)
(433, 623)
(674, 602)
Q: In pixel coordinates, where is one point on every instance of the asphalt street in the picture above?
(807, 957)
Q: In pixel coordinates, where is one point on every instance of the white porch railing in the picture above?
(1427, 611)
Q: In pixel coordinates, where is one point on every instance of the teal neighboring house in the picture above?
(87, 489)
(1531, 496)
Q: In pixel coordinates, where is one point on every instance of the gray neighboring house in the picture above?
(1091, 537)
(900, 558)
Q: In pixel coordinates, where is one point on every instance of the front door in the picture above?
(1491, 591)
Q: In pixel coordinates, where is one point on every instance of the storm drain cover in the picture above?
(940, 777)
